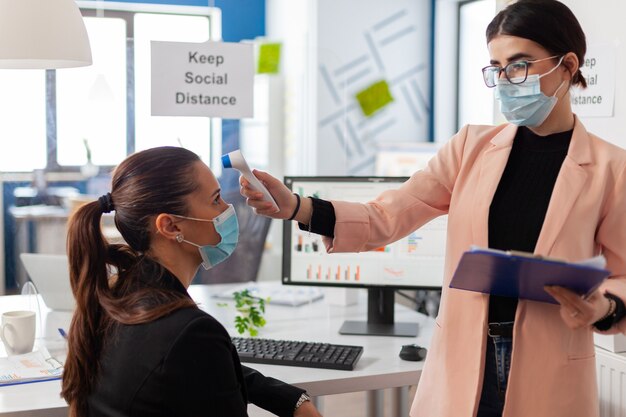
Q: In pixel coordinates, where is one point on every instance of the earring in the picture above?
(180, 238)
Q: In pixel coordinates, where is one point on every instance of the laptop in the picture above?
(51, 276)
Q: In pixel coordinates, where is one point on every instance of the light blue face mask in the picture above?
(227, 227)
(524, 104)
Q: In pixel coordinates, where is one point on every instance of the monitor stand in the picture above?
(380, 312)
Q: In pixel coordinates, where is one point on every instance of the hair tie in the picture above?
(106, 203)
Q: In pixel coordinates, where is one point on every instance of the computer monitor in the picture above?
(413, 262)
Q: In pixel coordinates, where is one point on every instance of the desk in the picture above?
(379, 367)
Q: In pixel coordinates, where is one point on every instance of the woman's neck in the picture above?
(183, 269)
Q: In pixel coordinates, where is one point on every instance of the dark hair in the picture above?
(549, 23)
(145, 184)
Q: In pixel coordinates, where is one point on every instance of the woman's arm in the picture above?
(273, 395)
(393, 215)
(396, 213)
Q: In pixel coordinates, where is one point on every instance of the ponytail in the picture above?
(87, 255)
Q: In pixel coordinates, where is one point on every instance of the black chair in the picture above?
(243, 264)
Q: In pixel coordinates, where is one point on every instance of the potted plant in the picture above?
(250, 312)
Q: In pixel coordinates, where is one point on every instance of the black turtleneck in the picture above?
(519, 205)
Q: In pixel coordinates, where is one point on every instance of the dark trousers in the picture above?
(497, 366)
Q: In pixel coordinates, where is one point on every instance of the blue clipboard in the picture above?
(521, 276)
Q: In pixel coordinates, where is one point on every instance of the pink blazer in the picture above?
(552, 367)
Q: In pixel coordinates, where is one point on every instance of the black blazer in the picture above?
(183, 364)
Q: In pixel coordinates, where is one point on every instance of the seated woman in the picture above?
(138, 344)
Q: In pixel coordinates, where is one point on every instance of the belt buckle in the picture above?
(489, 327)
(498, 329)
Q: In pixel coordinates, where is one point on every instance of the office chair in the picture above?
(243, 264)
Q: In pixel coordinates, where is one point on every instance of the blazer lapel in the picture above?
(492, 166)
(569, 184)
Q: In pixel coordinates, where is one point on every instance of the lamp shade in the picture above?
(42, 34)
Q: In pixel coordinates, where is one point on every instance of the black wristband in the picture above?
(618, 314)
(295, 212)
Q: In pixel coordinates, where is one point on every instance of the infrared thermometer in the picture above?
(236, 160)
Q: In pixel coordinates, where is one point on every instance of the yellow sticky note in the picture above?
(374, 97)
(269, 58)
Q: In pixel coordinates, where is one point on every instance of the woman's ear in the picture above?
(571, 63)
(167, 226)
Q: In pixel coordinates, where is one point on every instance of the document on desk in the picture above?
(30, 367)
(523, 275)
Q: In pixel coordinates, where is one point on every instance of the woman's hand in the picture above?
(285, 199)
(576, 311)
(307, 409)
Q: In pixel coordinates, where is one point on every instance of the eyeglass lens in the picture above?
(515, 72)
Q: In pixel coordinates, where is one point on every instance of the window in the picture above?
(47, 115)
(23, 120)
(91, 101)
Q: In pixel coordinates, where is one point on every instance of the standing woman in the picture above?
(541, 184)
(138, 344)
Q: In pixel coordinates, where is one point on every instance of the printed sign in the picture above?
(598, 99)
(211, 79)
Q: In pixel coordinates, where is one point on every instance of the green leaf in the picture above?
(251, 310)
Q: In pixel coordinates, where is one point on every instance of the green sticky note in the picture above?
(269, 58)
(374, 97)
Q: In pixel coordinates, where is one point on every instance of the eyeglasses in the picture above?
(515, 72)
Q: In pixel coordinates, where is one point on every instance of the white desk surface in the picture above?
(379, 366)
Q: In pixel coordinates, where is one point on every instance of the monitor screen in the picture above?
(413, 262)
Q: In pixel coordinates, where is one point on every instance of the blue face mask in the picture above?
(227, 227)
(524, 104)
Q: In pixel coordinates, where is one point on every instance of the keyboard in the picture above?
(296, 353)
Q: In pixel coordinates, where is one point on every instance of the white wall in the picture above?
(359, 43)
(334, 49)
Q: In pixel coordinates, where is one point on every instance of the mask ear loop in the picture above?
(551, 71)
(557, 90)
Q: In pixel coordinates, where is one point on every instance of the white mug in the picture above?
(18, 331)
